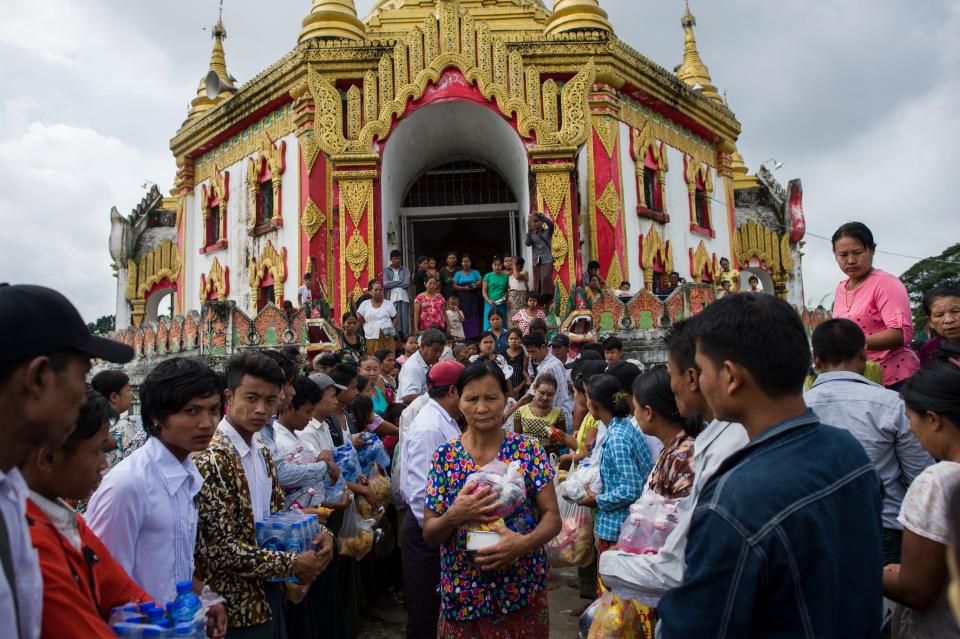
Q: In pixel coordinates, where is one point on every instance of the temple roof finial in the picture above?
(692, 70)
(577, 15)
(226, 86)
(332, 19)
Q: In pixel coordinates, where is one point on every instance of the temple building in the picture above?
(439, 125)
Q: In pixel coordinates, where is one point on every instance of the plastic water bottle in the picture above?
(186, 605)
(278, 536)
(295, 538)
(186, 631)
(262, 534)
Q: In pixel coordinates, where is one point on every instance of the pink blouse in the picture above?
(879, 303)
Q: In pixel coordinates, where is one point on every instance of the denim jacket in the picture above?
(785, 542)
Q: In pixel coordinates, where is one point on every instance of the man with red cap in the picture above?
(45, 353)
(434, 425)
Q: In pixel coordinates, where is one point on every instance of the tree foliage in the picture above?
(929, 273)
(103, 325)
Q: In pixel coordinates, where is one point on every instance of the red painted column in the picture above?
(605, 188)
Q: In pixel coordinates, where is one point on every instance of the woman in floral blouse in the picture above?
(657, 415)
(498, 591)
(429, 308)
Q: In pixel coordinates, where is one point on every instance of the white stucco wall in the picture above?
(443, 130)
(240, 246)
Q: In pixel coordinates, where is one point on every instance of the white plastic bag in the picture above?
(574, 545)
(583, 476)
(651, 520)
(506, 481)
(356, 534)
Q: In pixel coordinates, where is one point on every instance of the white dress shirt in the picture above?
(259, 483)
(62, 516)
(26, 565)
(144, 512)
(647, 577)
(413, 377)
(317, 434)
(432, 427)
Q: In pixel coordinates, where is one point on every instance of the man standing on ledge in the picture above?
(540, 238)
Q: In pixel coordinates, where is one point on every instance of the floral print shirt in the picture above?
(432, 311)
(672, 475)
(466, 592)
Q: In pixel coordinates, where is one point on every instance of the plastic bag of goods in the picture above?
(356, 534)
(584, 476)
(574, 545)
(333, 490)
(349, 463)
(379, 484)
(369, 511)
(651, 520)
(372, 452)
(506, 481)
(617, 618)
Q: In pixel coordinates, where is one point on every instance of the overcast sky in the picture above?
(857, 98)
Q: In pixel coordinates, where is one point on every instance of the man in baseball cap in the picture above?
(45, 353)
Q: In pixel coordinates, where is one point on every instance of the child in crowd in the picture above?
(454, 316)
(516, 357)
(539, 418)
(429, 307)
(917, 584)
(754, 283)
(528, 314)
(410, 347)
(518, 285)
(77, 593)
(146, 506)
(624, 291)
(432, 268)
(367, 420)
(613, 349)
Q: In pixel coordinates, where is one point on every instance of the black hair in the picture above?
(625, 372)
(109, 382)
(752, 278)
(593, 346)
(517, 331)
(585, 370)
(393, 413)
(449, 253)
(935, 294)
(538, 325)
(372, 282)
(837, 341)
(494, 312)
(362, 409)
(421, 259)
(935, 388)
(857, 231)
(606, 391)
(479, 370)
(653, 389)
(682, 344)
(496, 258)
(624, 283)
(343, 374)
(534, 339)
(348, 315)
(383, 353)
(727, 259)
(291, 351)
(613, 343)
(254, 364)
(362, 383)
(287, 365)
(451, 296)
(287, 305)
(519, 261)
(763, 334)
(395, 253)
(305, 392)
(672, 273)
(432, 337)
(533, 296)
(174, 382)
(486, 334)
(307, 276)
(96, 412)
(546, 378)
(593, 264)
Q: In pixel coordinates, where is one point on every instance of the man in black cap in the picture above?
(45, 353)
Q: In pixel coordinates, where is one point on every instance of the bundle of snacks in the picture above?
(356, 534)
(505, 481)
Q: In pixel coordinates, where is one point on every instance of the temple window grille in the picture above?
(213, 225)
(265, 201)
(459, 183)
(702, 208)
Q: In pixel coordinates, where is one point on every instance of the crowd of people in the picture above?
(757, 484)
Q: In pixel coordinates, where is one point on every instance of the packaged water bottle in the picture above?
(127, 630)
(185, 631)
(278, 536)
(262, 533)
(186, 605)
(295, 539)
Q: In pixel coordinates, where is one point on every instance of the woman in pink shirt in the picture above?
(877, 302)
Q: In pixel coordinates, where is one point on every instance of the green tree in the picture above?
(103, 325)
(928, 273)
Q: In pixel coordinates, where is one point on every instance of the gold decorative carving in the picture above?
(654, 126)
(369, 96)
(770, 248)
(218, 190)
(609, 204)
(163, 262)
(550, 105)
(702, 261)
(328, 115)
(312, 218)
(216, 283)
(273, 156)
(356, 253)
(607, 129)
(273, 262)
(559, 248)
(554, 188)
(355, 194)
(353, 112)
(614, 275)
(653, 248)
(274, 126)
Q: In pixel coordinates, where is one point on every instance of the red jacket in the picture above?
(79, 588)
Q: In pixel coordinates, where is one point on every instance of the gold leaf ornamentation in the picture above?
(355, 195)
(312, 218)
(558, 248)
(356, 253)
(554, 188)
(614, 275)
(609, 204)
(606, 129)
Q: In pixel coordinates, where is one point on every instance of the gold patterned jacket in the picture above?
(227, 557)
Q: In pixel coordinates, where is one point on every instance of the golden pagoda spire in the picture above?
(332, 19)
(692, 70)
(577, 15)
(218, 65)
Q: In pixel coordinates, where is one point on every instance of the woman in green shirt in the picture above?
(495, 284)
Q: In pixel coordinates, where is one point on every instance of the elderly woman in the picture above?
(877, 302)
(500, 590)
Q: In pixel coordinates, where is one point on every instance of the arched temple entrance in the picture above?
(455, 179)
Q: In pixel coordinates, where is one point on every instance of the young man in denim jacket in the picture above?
(785, 538)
